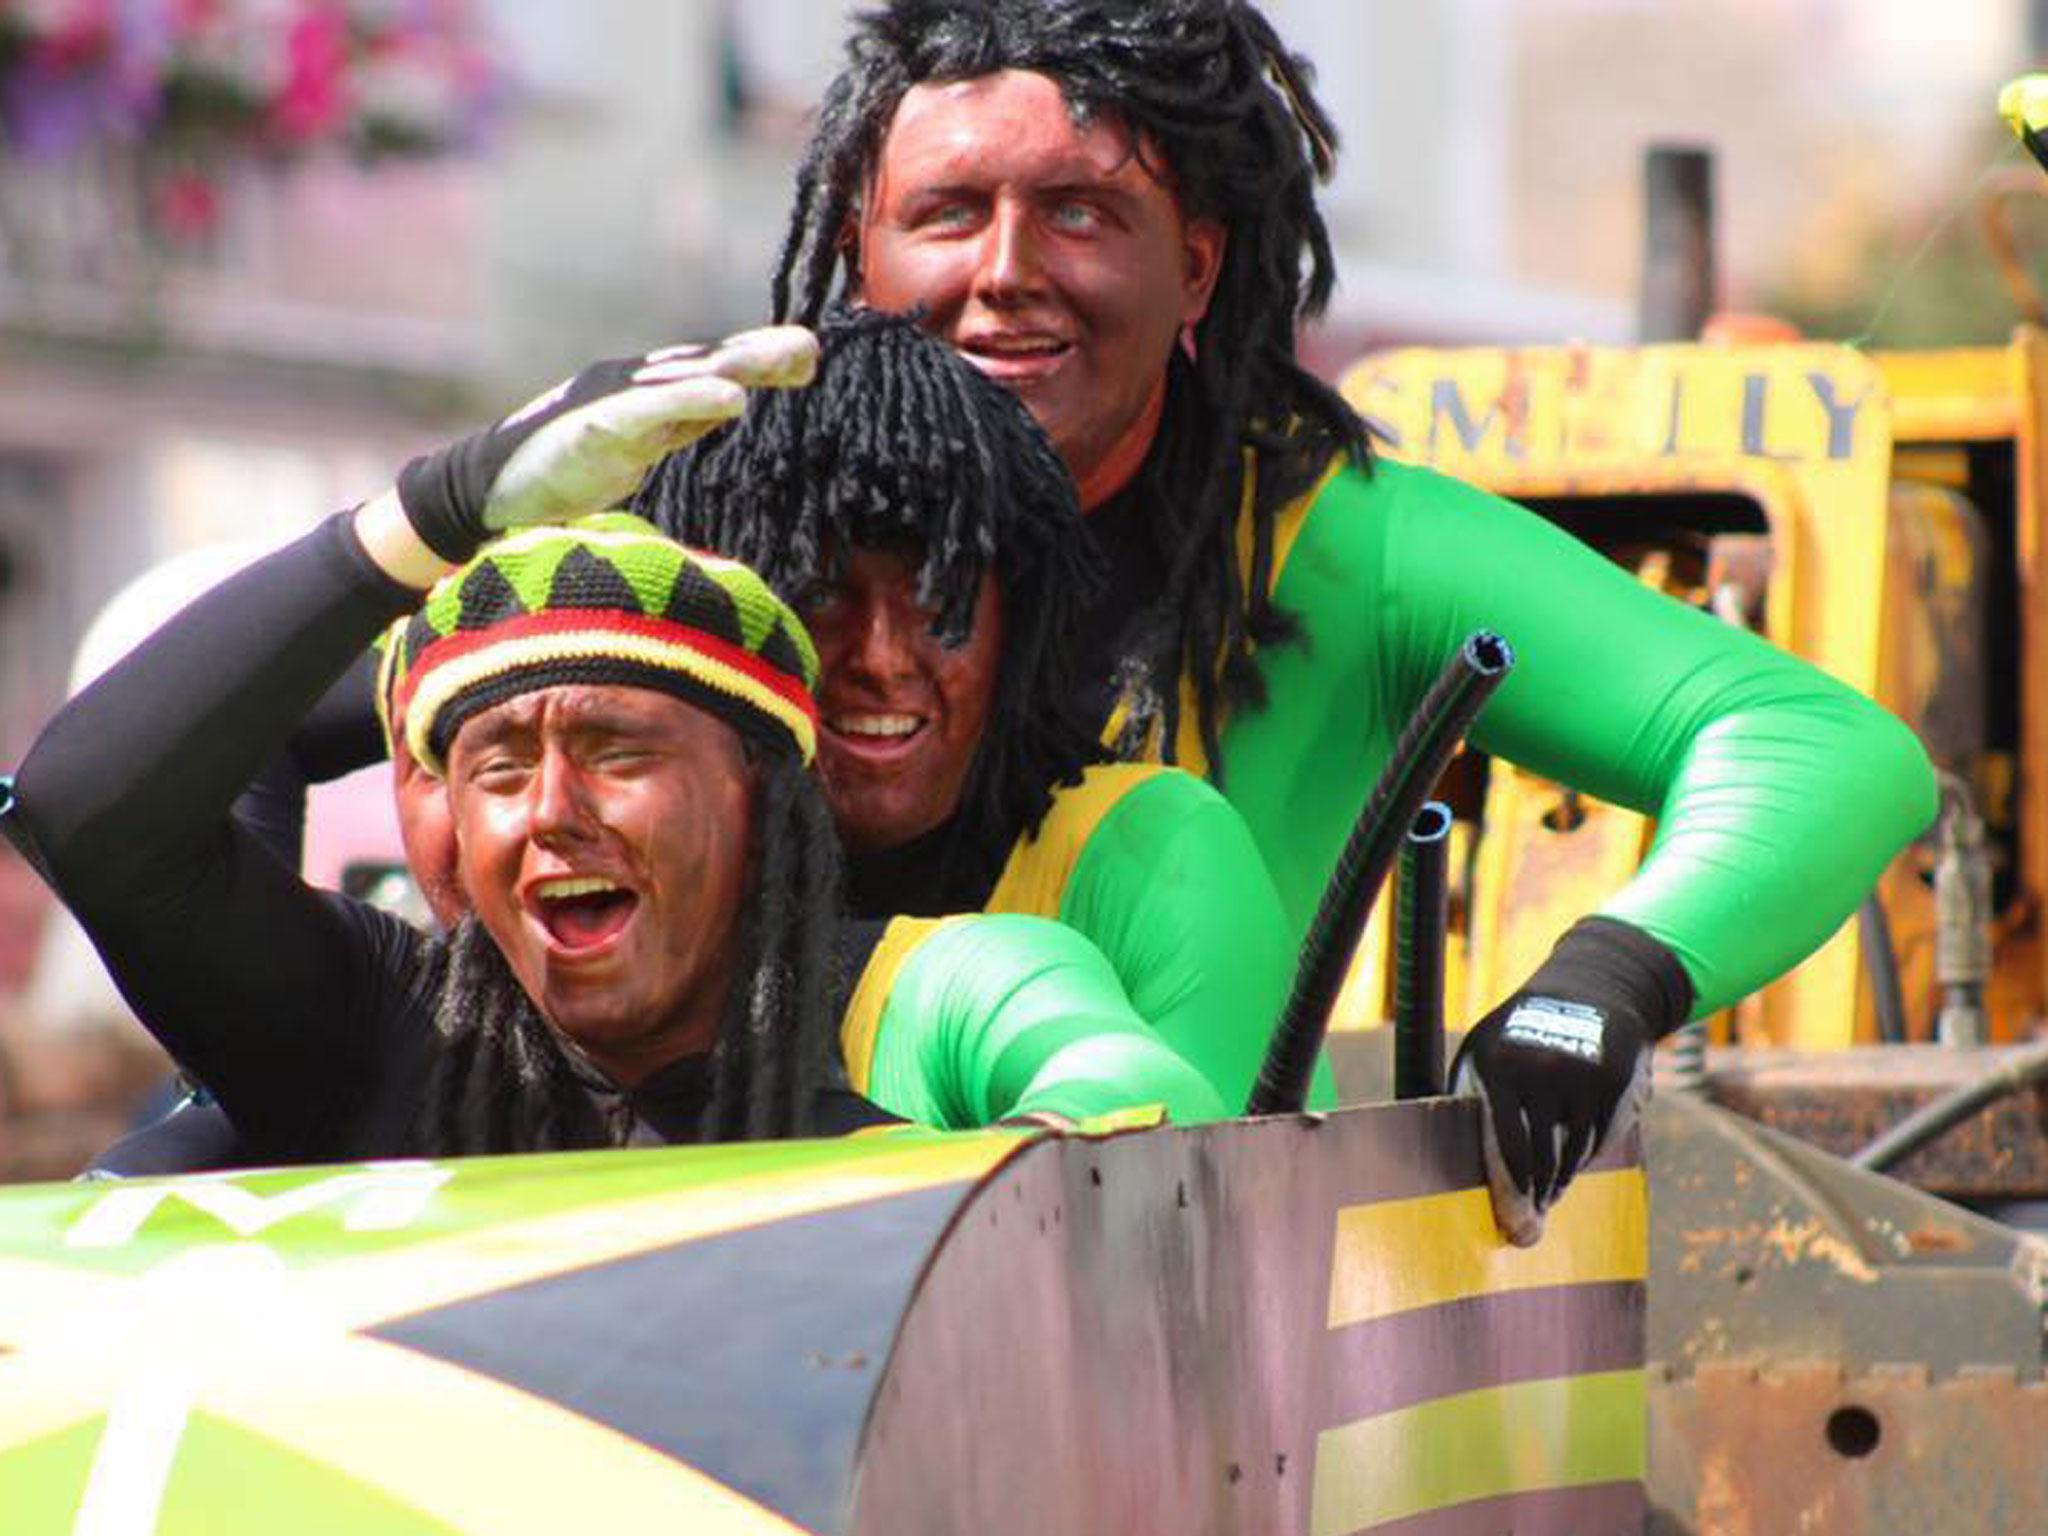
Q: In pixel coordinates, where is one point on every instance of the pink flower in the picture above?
(73, 37)
(313, 102)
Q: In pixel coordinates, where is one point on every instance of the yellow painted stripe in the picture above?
(1287, 525)
(1567, 1432)
(480, 1456)
(863, 1018)
(364, 1291)
(1396, 1255)
(1034, 880)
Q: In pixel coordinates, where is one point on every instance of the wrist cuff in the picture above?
(430, 490)
(1603, 957)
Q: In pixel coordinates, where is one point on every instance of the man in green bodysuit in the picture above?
(1110, 208)
(924, 529)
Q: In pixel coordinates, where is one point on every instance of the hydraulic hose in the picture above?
(1881, 965)
(2017, 1073)
(1421, 897)
(1426, 744)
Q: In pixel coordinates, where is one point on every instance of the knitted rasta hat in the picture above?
(605, 599)
(389, 649)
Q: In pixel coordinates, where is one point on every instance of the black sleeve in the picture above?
(340, 732)
(340, 735)
(271, 994)
(273, 810)
(195, 1137)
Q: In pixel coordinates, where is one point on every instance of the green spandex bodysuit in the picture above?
(1780, 793)
(1160, 876)
(947, 1029)
(1159, 873)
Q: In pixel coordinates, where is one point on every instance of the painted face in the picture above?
(426, 828)
(901, 715)
(604, 837)
(1046, 252)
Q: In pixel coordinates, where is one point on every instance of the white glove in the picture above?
(586, 444)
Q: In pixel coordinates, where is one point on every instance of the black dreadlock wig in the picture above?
(503, 1083)
(900, 442)
(1209, 90)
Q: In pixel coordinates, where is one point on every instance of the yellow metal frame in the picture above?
(1964, 395)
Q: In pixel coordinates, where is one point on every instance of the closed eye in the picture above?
(499, 773)
(621, 758)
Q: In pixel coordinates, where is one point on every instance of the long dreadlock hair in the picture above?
(1207, 88)
(900, 442)
(504, 1083)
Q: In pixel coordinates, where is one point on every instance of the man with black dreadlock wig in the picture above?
(925, 531)
(648, 948)
(1109, 207)
(1216, 117)
(897, 446)
(566, 1010)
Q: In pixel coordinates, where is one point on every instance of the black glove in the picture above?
(587, 443)
(1565, 1062)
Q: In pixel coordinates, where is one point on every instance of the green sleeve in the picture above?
(1780, 793)
(993, 1017)
(1172, 889)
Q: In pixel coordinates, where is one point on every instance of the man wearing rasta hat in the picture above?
(929, 538)
(625, 727)
(1109, 207)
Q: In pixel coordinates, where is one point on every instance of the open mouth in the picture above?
(583, 911)
(875, 734)
(1015, 358)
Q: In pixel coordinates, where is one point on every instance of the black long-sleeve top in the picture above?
(308, 1015)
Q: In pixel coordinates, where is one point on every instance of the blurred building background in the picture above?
(254, 253)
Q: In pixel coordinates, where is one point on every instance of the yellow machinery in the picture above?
(1880, 515)
(1829, 1349)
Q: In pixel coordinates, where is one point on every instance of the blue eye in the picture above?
(948, 216)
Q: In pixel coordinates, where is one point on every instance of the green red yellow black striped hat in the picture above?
(605, 599)
(389, 649)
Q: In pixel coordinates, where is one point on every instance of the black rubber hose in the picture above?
(1881, 965)
(2017, 1073)
(1421, 898)
(1427, 742)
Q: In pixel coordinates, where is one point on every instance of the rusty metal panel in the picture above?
(1833, 1351)
(1788, 1446)
(1839, 1101)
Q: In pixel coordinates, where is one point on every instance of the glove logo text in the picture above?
(1552, 1024)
